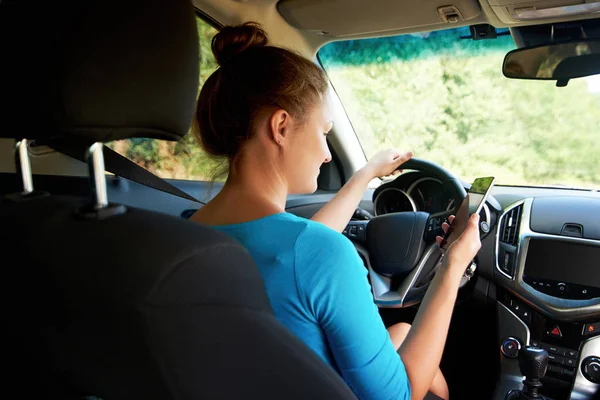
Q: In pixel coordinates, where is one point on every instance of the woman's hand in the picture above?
(460, 253)
(386, 163)
(422, 349)
(339, 210)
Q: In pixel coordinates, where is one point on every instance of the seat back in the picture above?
(117, 302)
(145, 305)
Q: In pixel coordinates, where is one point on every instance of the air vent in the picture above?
(509, 230)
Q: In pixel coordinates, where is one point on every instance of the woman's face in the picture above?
(307, 150)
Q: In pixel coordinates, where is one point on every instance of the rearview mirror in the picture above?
(556, 61)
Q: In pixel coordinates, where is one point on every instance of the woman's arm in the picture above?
(339, 210)
(332, 279)
(422, 349)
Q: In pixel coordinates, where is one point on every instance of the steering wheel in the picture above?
(400, 249)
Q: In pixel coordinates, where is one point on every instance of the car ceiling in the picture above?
(308, 24)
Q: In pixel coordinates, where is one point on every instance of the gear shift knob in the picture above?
(533, 363)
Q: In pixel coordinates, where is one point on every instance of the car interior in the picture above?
(112, 293)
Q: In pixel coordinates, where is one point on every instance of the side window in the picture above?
(184, 159)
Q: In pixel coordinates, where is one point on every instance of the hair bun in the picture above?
(233, 40)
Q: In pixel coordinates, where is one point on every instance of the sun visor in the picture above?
(97, 70)
(363, 18)
(544, 11)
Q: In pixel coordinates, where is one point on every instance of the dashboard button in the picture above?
(556, 350)
(554, 368)
(554, 332)
(539, 285)
(562, 288)
(589, 292)
(521, 310)
(510, 347)
(554, 359)
(569, 362)
(485, 228)
(572, 353)
(591, 329)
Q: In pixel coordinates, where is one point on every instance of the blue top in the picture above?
(318, 288)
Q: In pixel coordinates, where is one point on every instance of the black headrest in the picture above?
(97, 70)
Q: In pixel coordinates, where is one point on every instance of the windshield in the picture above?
(445, 98)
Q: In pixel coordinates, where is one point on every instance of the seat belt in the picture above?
(123, 167)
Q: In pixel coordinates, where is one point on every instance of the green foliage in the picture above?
(447, 100)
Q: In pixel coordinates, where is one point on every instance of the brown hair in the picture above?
(251, 78)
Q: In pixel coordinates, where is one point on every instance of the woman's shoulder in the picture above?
(317, 241)
(318, 232)
(310, 239)
(309, 230)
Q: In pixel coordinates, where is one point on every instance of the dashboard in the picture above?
(548, 252)
(547, 268)
(412, 192)
(540, 257)
(416, 191)
(425, 194)
(545, 249)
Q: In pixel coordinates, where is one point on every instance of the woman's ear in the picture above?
(279, 124)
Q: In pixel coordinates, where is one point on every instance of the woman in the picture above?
(264, 111)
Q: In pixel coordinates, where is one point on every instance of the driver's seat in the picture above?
(115, 302)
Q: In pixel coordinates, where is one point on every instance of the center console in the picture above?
(548, 267)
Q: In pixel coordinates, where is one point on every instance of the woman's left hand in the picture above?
(386, 163)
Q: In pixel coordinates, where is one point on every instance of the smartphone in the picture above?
(472, 204)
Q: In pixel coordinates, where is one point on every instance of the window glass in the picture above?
(444, 96)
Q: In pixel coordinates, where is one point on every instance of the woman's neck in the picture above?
(252, 191)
